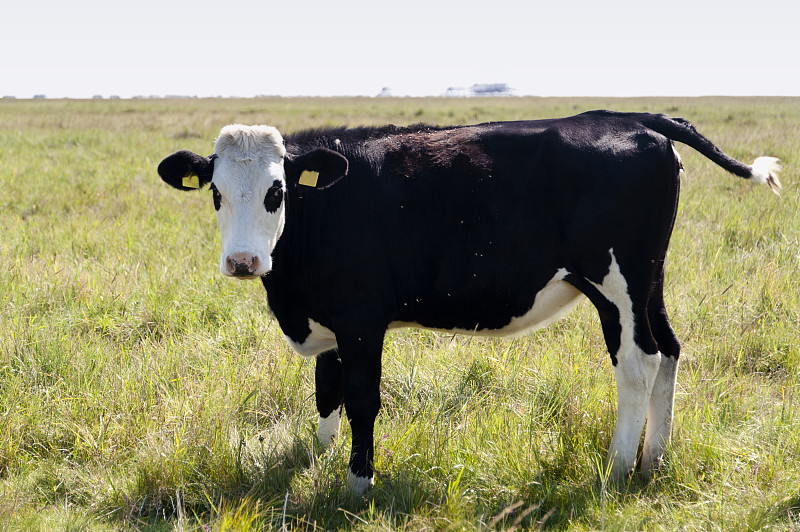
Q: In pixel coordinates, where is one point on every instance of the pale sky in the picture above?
(415, 47)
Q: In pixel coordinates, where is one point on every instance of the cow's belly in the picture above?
(551, 303)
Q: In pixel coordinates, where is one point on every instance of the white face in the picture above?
(249, 188)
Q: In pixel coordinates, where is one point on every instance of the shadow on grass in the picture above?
(205, 484)
(289, 481)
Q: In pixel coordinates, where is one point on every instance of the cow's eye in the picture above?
(217, 197)
(274, 197)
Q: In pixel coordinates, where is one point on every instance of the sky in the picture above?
(246, 48)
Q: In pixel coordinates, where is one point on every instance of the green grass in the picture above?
(141, 391)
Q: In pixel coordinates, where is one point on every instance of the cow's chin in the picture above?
(244, 277)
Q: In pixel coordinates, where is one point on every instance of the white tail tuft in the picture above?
(765, 170)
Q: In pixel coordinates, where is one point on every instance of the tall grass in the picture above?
(140, 391)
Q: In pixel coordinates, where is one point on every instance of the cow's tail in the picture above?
(763, 169)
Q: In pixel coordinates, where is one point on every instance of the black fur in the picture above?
(184, 163)
(274, 197)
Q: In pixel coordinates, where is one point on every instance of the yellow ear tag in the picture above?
(309, 178)
(191, 181)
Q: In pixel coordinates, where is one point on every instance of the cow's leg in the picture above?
(328, 377)
(361, 374)
(659, 415)
(634, 353)
(635, 373)
(660, 409)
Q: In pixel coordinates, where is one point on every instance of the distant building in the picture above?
(457, 92)
(386, 92)
(479, 89)
(39, 96)
(491, 89)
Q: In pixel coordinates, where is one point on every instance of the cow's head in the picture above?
(250, 173)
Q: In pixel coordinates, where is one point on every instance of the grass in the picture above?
(140, 391)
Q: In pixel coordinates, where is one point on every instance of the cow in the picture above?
(493, 229)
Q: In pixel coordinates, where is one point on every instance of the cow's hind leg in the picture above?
(660, 409)
(328, 381)
(634, 354)
(635, 373)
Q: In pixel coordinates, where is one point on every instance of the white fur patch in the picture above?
(246, 142)
(328, 427)
(250, 161)
(552, 302)
(615, 288)
(359, 485)
(320, 339)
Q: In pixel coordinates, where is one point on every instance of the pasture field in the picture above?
(139, 390)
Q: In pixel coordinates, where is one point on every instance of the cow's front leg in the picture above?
(328, 381)
(361, 374)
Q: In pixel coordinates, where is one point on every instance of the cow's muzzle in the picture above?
(242, 265)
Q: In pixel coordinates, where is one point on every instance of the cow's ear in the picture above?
(185, 170)
(319, 168)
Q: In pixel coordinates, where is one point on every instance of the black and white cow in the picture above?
(493, 229)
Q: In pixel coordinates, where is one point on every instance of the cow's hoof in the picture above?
(650, 467)
(359, 485)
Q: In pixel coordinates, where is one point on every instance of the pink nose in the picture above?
(242, 264)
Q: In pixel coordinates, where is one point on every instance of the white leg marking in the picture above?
(659, 415)
(359, 485)
(635, 374)
(328, 427)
